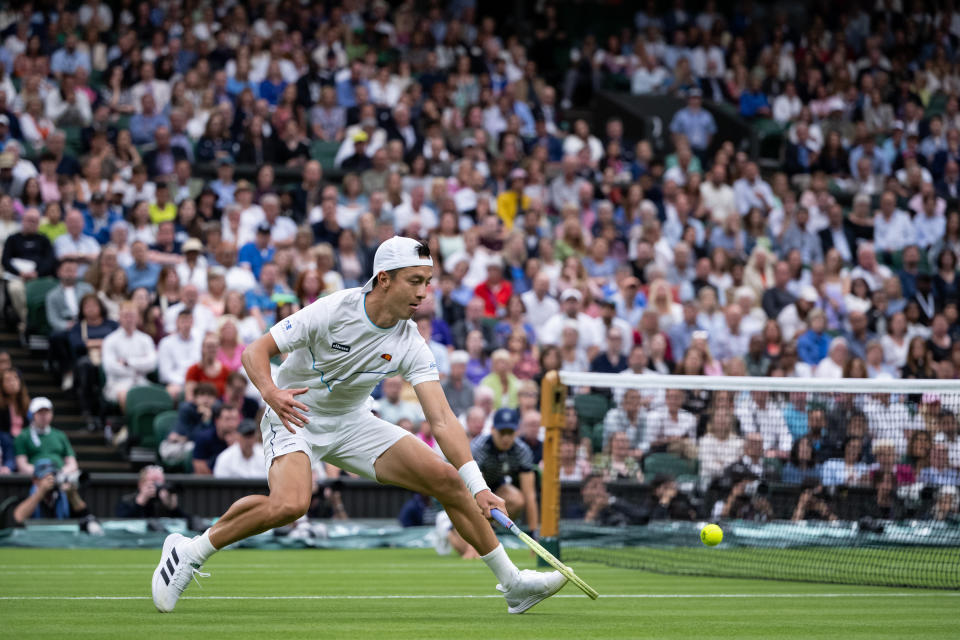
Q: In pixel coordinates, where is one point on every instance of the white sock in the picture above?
(200, 548)
(502, 567)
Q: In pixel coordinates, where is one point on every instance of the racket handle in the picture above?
(502, 518)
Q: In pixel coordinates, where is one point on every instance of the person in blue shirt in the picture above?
(98, 219)
(212, 441)
(258, 252)
(802, 465)
(260, 299)
(694, 122)
(68, 59)
(142, 273)
(271, 87)
(346, 86)
(753, 101)
(144, 124)
(813, 344)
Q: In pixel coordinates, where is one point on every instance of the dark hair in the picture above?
(205, 389)
(95, 297)
(21, 401)
(795, 451)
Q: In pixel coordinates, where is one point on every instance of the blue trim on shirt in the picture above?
(356, 373)
(363, 303)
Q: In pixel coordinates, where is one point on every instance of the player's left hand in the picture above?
(487, 500)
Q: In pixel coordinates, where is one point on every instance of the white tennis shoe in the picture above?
(530, 588)
(174, 573)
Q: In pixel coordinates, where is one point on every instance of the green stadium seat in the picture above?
(591, 408)
(143, 405)
(36, 304)
(324, 152)
(163, 424)
(669, 463)
(74, 140)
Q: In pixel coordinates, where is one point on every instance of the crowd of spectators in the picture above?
(561, 241)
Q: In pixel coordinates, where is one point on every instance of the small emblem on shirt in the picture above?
(287, 325)
(386, 356)
(341, 347)
(433, 365)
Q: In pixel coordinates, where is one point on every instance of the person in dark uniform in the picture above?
(506, 463)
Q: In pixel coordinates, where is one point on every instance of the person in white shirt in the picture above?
(669, 425)
(282, 228)
(837, 356)
(759, 413)
(541, 306)
(868, 268)
(581, 138)
(930, 223)
(888, 418)
(752, 191)
(588, 329)
(243, 458)
(892, 227)
(203, 319)
(716, 196)
(339, 348)
(719, 448)
(176, 352)
(416, 213)
(128, 356)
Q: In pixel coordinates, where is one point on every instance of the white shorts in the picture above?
(352, 441)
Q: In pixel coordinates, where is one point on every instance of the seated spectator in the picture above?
(813, 344)
(813, 503)
(197, 415)
(212, 441)
(243, 458)
(63, 308)
(667, 501)
(507, 467)
(176, 352)
(939, 473)
(947, 505)
(761, 412)
(802, 463)
(52, 500)
(154, 497)
(27, 255)
(720, 447)
(457, 388)
(495, 291)
(478, 365)
(627, 419)
(837, 356)
(600, 508)
(670, 428)
(619, 463)
(393, 408)
(530, 430)
(848, 471)
(208, 369)
(42, 441)
(572, 467)
(86, 349)
(128, 356)
(501, 381)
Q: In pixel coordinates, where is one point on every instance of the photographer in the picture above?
(154, 497)
(55, 495)
(812, 504)
(599, 507)
(747, 499)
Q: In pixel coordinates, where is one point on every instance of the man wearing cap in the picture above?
(98, 219)
(495, 291)
(41, 440)
(243, 458)
(457, 388)
(507, 465)
(339, 348)
(193, 269)
(257, 252)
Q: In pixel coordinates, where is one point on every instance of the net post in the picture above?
(553, 400)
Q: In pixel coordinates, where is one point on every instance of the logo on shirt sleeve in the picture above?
(287, 325)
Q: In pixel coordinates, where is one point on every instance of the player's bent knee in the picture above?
(288, 509)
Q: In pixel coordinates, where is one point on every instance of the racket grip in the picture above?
(502, 518)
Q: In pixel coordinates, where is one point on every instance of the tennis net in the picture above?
(845, 481)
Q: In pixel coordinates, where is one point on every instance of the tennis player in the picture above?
(339, 348)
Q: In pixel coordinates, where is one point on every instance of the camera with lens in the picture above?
(75, 478)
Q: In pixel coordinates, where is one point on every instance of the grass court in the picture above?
(401, 593)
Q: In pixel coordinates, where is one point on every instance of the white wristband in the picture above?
(470, 473)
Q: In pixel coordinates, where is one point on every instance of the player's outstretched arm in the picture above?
(452, 438)
(256, 362)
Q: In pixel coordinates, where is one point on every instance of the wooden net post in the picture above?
(553, 400)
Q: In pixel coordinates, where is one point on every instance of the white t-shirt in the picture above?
(232, 464)
(340, 355)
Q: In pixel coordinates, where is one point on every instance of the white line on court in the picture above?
(642, 596)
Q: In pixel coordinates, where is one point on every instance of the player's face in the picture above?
(408, 290)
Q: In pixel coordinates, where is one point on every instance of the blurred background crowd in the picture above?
(175, 177)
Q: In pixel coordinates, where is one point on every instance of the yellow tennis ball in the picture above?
(711, 535)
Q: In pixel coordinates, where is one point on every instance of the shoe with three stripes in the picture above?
(174, 573)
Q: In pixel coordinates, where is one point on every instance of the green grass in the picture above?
(51, 593)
